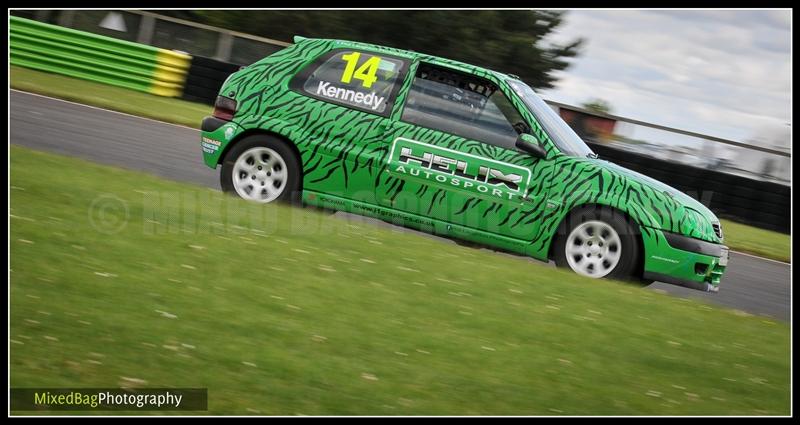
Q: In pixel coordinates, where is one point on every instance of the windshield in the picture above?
(562, 135)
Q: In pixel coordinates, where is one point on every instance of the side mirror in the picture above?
(530, 144)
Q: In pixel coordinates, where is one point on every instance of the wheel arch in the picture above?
(260, 131)
(587, 206)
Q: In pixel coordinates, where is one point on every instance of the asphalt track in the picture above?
(751, 284)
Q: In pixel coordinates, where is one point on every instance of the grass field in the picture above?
(739, 237)
(120, 278)
(752, 240)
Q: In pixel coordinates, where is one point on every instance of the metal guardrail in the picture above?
(95, 57)
(211, 28)
(671, 129)
(166, 32)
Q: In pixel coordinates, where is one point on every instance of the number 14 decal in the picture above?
(366, 72)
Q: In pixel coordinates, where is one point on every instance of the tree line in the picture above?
(509, 41)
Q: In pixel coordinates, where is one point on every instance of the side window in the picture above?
(464, 105)
(361, 80)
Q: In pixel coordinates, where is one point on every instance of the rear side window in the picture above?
(357, 79)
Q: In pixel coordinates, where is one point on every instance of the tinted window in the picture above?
(358, 79)
(563, 136)
(461, 104)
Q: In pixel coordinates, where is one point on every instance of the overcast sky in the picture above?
(724, 73)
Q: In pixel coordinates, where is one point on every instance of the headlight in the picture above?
(717, 230)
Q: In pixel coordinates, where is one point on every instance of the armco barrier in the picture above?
(758, 203)
(94, 57)
(205, 78)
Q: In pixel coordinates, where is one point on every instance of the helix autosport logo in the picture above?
(419, 160)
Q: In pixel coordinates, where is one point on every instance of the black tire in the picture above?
(629, 266)
(291, 192)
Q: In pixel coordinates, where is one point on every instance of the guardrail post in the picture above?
(224, 46)
(147, 26)
(42, 15)
(65, 18)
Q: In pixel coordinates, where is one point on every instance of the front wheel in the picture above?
(261, 169)
(599, 243)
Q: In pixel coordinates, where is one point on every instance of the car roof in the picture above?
(412, 55)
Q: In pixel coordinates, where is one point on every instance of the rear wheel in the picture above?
(261, 169)
(597, 243)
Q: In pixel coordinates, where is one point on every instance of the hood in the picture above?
(675, 194)
(695, 219)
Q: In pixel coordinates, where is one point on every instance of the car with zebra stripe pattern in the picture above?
(451, 149)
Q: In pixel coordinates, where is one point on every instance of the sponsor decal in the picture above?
(229, 133)
(210, 145)
(669, 260)
(384, 214)
(468, 172)
(329, 201)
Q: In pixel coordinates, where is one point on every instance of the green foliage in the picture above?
(598, 105)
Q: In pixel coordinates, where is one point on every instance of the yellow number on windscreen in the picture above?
(366, 72)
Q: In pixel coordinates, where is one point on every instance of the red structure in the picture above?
(589, 126)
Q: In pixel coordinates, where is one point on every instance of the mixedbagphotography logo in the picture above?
(103, 399)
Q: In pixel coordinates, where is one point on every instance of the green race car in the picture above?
(451, 149)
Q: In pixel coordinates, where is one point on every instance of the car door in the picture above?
(452, 158)
(348, 97)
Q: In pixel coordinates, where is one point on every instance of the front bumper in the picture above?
(683, 261)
